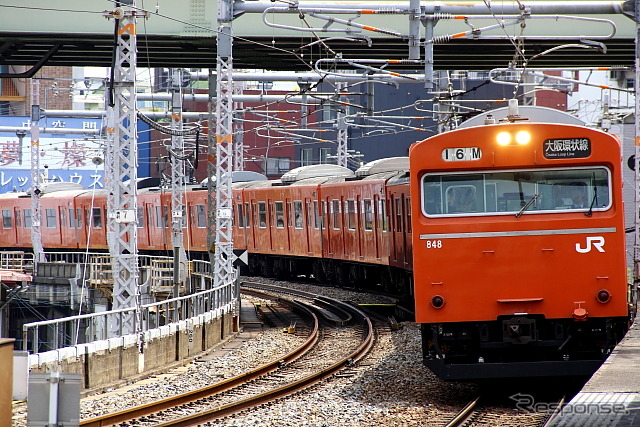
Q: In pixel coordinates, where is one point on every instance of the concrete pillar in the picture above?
(6, 377)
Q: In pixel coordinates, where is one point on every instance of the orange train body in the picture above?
(511, 278)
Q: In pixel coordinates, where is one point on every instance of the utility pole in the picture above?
(178, 177)
(636, 248)
(36, 214)
(343, 130)
(121, 173)
(224, 272)
(238, 142)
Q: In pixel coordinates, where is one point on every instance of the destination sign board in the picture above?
(567, 148)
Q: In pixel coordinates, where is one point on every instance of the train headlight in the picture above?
(437, 301)
(503, 138)
(523, 137)
(603, 296)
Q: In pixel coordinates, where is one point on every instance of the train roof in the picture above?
(385, 175)
(532, 114)
(390, 164)
(54, 187)
(315, 171)
(257, 184)
(399, 179)
(238, 176)
(318, 180)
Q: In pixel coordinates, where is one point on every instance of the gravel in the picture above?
(390, 387)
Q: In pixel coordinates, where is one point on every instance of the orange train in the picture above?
(519, 249)
(348, 229)
(510, 275)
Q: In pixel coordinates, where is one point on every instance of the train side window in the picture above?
(298, 215)
(335, 211)
(247, 208)
(7, 219)
(351, 214)
(201, 216)
(165, 216)
(289, 214)
(26, 213)
(279, 207)
(72, 218)
(408, 214)
(262, 214)
(383, 215)
(78, 218)
(50, 215)
(398, 213)
(310, 216)
(368, 214)
(96, 218)
(317, 215)
(140, 215)
(18, 221)
(150, 215)
(240, 215)
(158, 216)
(63, 218)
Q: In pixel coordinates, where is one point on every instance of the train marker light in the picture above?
(523, 137)
(437, 301)
(503, 138)
(603, 296)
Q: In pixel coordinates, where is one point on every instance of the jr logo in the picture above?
(595, 241)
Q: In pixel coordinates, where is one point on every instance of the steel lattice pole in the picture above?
(123, 178)
(224, 272)
(178, 172)
(36, 213)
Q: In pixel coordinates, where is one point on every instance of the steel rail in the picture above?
(185, 398)
(224, 410)
(465, 414)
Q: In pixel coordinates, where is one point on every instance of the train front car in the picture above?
(519, 251)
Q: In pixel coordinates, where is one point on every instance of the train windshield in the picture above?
(516, 192)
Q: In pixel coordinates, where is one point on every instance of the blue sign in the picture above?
(73, 157)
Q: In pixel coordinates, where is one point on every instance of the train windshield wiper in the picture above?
(593, 201)
(526, 205)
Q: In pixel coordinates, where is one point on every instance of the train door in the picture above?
(376, 225)
(360, 226)
(398, 212)
(247, 224)
(52, 225)
(256, 223)
(407, 234)
(323, 222)
(152, 232)
(350, 229)
(312, 226)
(270, 222)
(16, 224)
(9, 227)
(334, 227)
(143, 240)
(290, 224)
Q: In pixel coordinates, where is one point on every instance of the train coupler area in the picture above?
(519, 346)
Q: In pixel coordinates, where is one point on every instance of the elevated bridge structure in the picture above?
(293, 35)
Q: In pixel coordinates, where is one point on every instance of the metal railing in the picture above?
(85, 328)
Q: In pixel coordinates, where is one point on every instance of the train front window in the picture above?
(507, 192)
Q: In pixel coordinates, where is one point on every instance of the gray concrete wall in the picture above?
(105, 363)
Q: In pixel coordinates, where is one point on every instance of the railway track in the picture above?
(477, 413)
(339, 335)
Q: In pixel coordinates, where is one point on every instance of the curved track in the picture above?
(271, 381)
